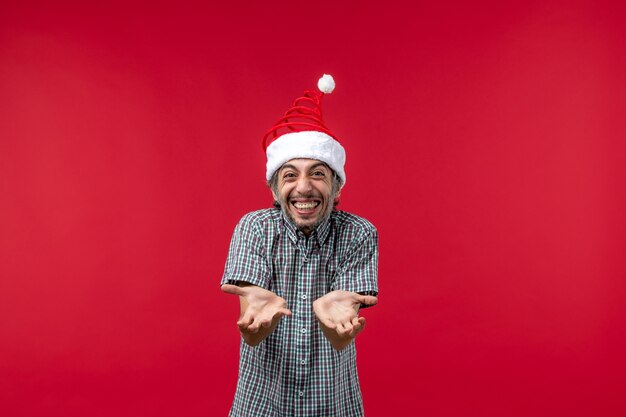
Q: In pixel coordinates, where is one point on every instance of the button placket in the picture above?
(304, 308)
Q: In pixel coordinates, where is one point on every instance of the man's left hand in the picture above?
(337, 313)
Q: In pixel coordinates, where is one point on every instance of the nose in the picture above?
(303, 185)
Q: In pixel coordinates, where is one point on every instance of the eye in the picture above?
(318, 173)
(289, 175)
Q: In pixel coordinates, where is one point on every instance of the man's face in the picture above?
(305, 192)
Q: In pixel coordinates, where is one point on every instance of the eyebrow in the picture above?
(316, 165)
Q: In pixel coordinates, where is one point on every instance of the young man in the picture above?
(301, 270)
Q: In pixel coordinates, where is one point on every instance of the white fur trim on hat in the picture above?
(308, 144)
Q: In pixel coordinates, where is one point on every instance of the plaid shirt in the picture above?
(295, 372)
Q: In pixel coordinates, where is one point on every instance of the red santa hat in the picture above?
(301, 133)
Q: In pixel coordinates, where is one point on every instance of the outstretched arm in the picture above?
(337, 313)
(260, 311)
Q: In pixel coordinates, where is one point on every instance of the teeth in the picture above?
(305, 206)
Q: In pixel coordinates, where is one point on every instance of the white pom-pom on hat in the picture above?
(326, 84)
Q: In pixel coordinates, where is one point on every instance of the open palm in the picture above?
(260, 308)
(338, 310)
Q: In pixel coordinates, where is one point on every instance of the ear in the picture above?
(337, 195)
(275, 196)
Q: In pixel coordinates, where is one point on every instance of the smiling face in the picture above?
(304, 188)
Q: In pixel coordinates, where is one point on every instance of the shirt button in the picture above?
(305, 259)
(302, 362)
(303, 330)
(301, 393)
(304, 296)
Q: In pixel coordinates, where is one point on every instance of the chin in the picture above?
(304, 224)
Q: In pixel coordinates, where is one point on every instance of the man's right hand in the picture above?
(260, 311)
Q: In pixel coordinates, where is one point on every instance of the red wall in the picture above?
(486, 140)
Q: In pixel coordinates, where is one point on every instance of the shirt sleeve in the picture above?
(246, 261)
(359, 272)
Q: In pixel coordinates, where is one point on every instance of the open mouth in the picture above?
(305, 206)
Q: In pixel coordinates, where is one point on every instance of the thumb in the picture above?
(368, 300)
(232, 289)
(282, 312)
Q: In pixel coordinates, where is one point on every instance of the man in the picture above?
(301, 270)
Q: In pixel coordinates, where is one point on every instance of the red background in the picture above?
(486, 140)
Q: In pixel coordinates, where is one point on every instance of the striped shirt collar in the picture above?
(320, 233)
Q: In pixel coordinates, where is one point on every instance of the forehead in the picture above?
(303, 164)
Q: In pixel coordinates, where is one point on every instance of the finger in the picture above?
(254, 327)
(243, 326)
(328, 323)
(281, 312)
(349, 328)
(341, 330)
(368, 300)
(232, 289)
(359, 325)
(260, 321)
(244, 322)
(266, 320)
(356, 326)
